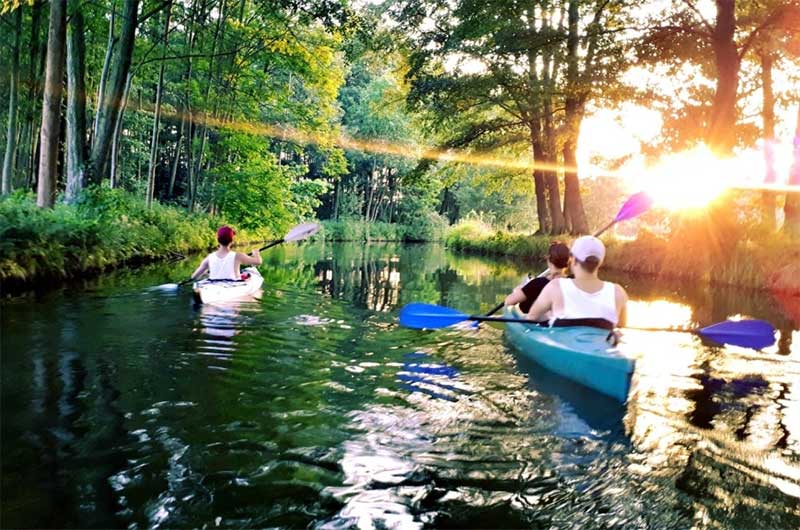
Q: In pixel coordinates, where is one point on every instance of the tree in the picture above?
(151, 171)
(495, 73)
(76, 104)
(11, 138)
(791, 226)
(108, 111)
(51, 106)
(683, 33)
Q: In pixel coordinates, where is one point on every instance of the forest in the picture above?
(133, 127)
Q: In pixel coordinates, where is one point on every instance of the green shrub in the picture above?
(474, 235)
(105, 228)
(430, 228)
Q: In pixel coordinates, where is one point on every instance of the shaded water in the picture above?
(310, 407)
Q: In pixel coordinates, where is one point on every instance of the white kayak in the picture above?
(217, 291)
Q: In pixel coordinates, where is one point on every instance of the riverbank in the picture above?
(430, 228)
(771, 262)
(106, 229)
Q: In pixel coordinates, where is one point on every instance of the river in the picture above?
(311, 408)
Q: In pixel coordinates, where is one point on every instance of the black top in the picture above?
(532, 289)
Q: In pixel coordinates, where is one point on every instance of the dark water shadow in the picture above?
(582, 411)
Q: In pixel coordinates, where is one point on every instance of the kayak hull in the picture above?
(215, 292)
(580, 354)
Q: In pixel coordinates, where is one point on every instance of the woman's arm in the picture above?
(245, 259)
(622, 306)
(516, 297)
(201, 269)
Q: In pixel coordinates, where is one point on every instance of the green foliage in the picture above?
(474, 235)
(429, 228)
(251, 189)
(106, 228)
(759, 260)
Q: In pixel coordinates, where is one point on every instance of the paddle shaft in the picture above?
(499, 306)
(270, 245)
(482, 318)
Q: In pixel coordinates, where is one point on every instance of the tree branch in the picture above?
(153, 12)
(682, 29)
(191, 56)
(772, 20)
(705, 22)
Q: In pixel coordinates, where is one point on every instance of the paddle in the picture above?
(637, 204)
(754, 334)
(299, 232)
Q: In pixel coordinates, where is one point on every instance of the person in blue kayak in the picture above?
(224, 264)
(557, 261)
(584, 298)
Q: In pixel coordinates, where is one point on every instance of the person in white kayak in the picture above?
(585, 297)
(224, 264)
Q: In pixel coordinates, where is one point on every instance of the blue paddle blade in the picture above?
(429, 316)
(754, 334)
(637, 204)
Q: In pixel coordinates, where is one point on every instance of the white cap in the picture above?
(586, 246)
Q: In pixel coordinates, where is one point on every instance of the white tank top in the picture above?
(580, 304)
(222, 268)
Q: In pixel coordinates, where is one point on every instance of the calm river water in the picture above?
(311, 408)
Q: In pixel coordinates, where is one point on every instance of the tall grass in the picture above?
(106, 228)
(473, 235)
(758, 261)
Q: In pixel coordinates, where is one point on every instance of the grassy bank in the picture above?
(430, 228)
(107, 228)
(766, 262)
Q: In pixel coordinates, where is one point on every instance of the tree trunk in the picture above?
(109, 109)
(573, 203)
(51, 105)
(768, 115)
(557, 225)
(173, 173)
(574, 215)
(76, 105)
(13, 90)
(190, 164)
(151, 172)
(190, 40)
(31, 140)
(791, 224)
(721, 132)
(204, 129)
(110, 44)
(539, 185)
(115, 143)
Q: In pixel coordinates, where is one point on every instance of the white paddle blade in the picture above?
(301, 231)
(165, 287)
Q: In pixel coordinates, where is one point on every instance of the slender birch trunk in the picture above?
(51, 105)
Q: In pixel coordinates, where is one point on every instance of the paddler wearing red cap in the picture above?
(585, 296)
(224, 263)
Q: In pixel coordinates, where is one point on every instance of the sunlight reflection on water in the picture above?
(312, 408)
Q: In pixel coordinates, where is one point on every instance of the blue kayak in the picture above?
(580, 354)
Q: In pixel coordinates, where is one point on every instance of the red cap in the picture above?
(225, 235)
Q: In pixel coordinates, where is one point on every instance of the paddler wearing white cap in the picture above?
(585, 296)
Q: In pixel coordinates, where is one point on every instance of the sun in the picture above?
(689, 180)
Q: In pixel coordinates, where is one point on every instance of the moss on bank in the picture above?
(105, 229)
(772, 262)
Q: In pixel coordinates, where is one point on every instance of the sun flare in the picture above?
(687, 180)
